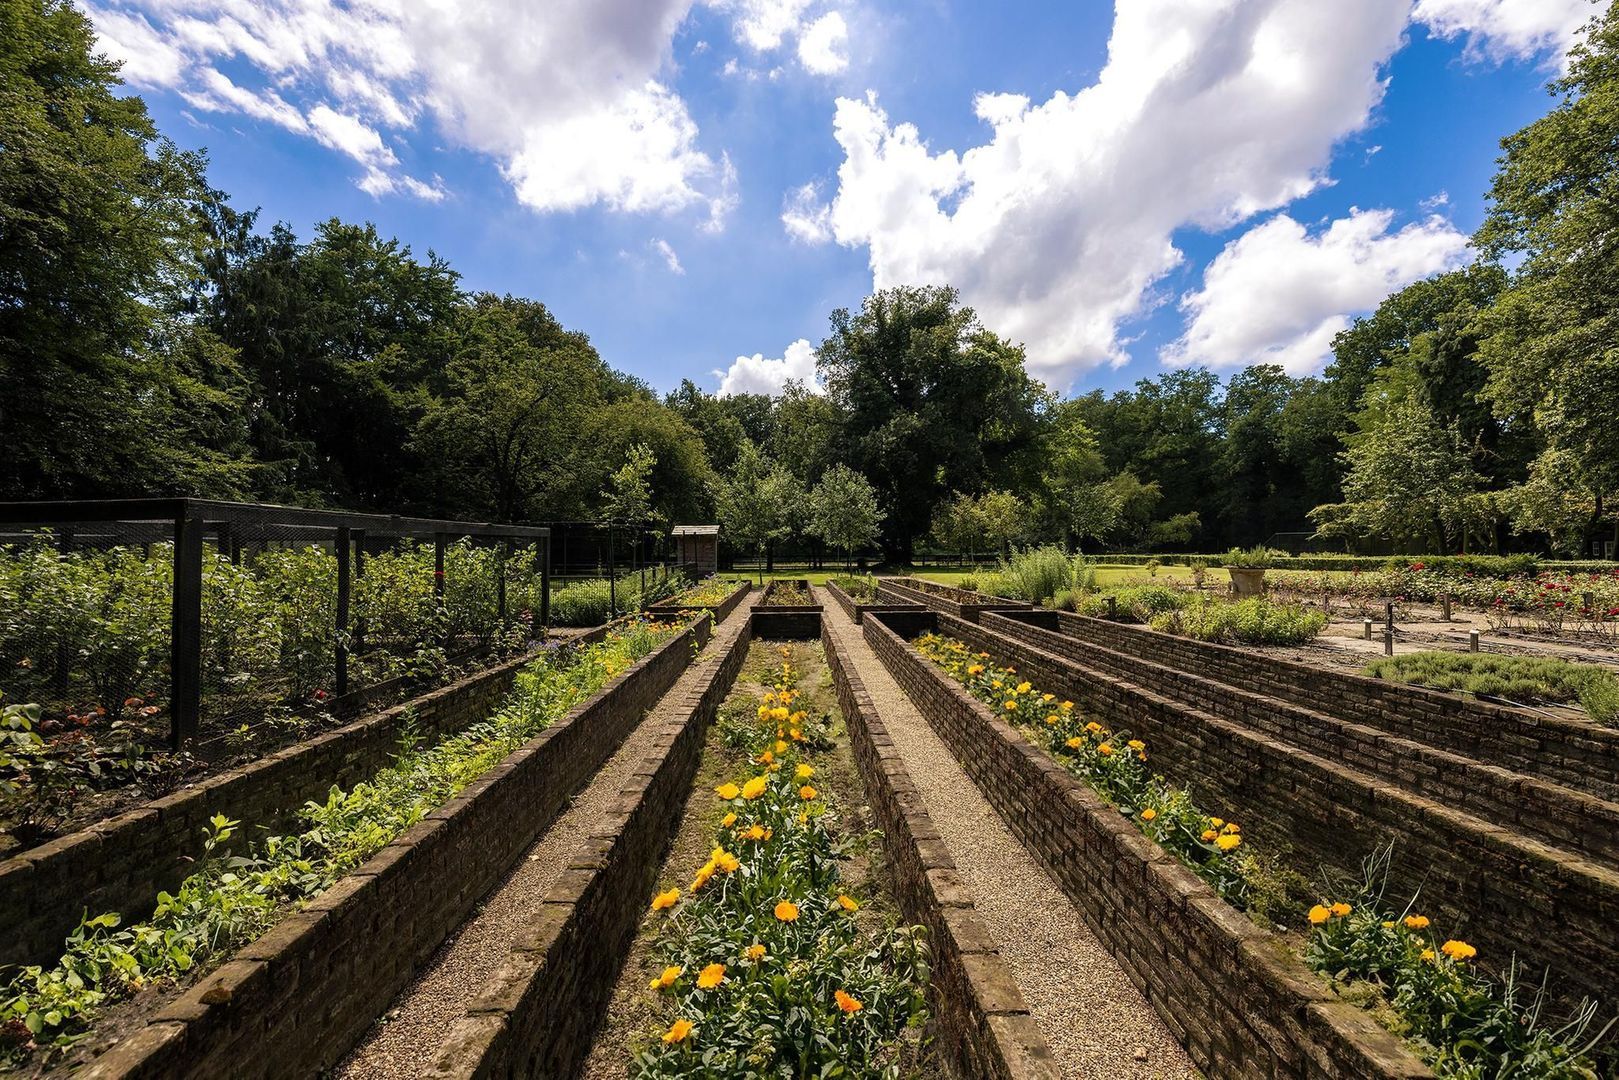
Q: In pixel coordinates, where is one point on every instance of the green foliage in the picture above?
(1514, 678)
(1036, 574)
(1136, 603)
(233, 897)
(1256, 558)
(862, 588)
(1255, 620)
(757, 501)
(844, 511)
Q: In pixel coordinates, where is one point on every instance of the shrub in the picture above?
(1514, 678)
(1035, 574)
(1138, 603)
(1065, 600)
(583, 603)
(1255, 558)
(860, 587)
(968, 584)
(1254, 621)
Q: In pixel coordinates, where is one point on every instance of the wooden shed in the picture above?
(697, 548)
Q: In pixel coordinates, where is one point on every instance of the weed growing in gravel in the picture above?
(769, 969)
(231, 899)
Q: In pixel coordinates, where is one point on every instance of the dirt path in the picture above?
(1097, 1024)
(403, 1044)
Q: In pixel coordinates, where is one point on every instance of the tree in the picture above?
(958, 526)
(105, 387)
(1005, 519)
(929, 402)
(1071, 497)
(1551, 342)
(627, 498)
(844, 513)
(753, 502)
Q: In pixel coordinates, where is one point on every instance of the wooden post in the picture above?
(359, 572)
(341, 548)
(1368, 630)
(185, 632)
(1113, 607)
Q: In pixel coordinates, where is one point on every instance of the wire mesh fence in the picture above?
(224, 627)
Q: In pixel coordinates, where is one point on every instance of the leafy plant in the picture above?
(1255, 620)
(1514, 678)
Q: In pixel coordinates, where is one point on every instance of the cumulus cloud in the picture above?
(1277, 295)
(821, 45)
(805, 217)
(1060, 225)
(757, 375)
(1504, 29)
(565, 96)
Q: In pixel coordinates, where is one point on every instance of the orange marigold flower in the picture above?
(1341, 909)
(1105, 749)
(727, 791)
(1458, 950)
(807, 793)
(1319, 915)
(755, 787)
(847, 902)
(679, 1031)
(1228, 841)
(756, 952)
(1209, 835)
(728, 820)
(804, 772)
(787, 911)
(1074, 743)
(1416, 922)
(1148, 814)
(665, 899)
(667, 979)
(847, 1003)
(711, 976)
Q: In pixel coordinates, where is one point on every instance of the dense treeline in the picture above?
(155, 339)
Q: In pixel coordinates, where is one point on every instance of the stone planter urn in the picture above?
(1247, 580)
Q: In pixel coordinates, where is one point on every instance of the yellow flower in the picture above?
(1319, 914)
(975, 669)
(1136, 744)
(1011, 705)
(1427, 954)
(1023, 688)
(1074, 743)
(1094, 728)
(764, 712)
(728, 820)
(787, 911)
(755, 832)
(775, 766)
(727, 791)
(755, 787)
(704, 872)
(796, 735)
(781, 746)
(1047, 697)
(756, 952)
(846, 1003)
(765, 758)
(779, 713)
(667, 979)
(807, 793)
(727, 861)
(1458, 950)
(1148, 814)
(804, 772)
(1228, 842)
(1068, 706)
(847, 902)
(1216, 822)
(1231, 827)
(665, 899)
(679, 1031)
(1417, 922)
(1051, 721)
(1209, 835)
(1104, 749)
(711, 976)
(1341, 909)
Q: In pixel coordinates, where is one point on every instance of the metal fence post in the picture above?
(185, 632)
(500, 581)
(359, 572)
(545, 581)
(341, 549)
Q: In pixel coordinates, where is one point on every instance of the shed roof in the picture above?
(696, 530)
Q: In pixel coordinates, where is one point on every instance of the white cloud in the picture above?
(1277, 295)
(805, 217)
(1057, 229)
(565, 96)
(757, 375)
(670, 258)
(820, 46)
(764, 24)
(1502, 29)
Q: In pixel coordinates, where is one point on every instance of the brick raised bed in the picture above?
(1560, 816)
(983, 1026)
(120, 864)
(539, 1010)
(1497, 888)
(1576, 753)
(1239, 1001)
(673, 609)
(856, 609)
(936, 597)
(293, 1002)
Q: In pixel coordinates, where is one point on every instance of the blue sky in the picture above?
(1193, 181)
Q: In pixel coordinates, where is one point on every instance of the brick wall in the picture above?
(538, 1013)
(293, 1002)
(786, 623)
(929, 594)
(1560, 816)
(1241, 1004)
(857, 610)
(1576, 753)
(982, 1024)
(1499, 890)
(120, 864)
(668, 610)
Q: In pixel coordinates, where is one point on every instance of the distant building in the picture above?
(697, 548)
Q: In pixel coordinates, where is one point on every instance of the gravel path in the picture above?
(1097, 1024)
(403, 1046)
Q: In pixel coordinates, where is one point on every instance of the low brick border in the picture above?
(857, 609)
(291, 1003)
(1558, 815)
(1561, 750)
(669, 609)
(1499, 889)
(1234, 996)
(936, 597)
(984, 1026)
(122, 862)
(768, 598)
(786, 623)
(538, 1012)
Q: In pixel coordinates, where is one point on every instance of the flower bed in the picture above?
(712, 594)
(1512, 679)
(856, 606)
(768, 964)
(1494, 1033)
(230, 900)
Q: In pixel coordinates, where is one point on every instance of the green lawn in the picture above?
(1106, 575)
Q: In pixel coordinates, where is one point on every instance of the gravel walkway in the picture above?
(403, 1045)
(1097, 1024)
